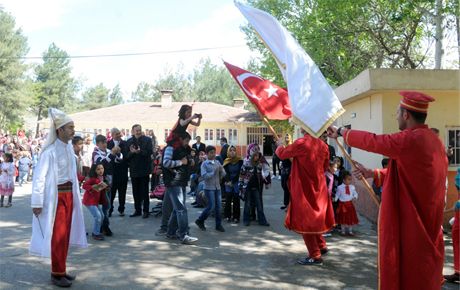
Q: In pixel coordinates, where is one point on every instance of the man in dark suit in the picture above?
(198, 146)
(224, 148)
(120, 172)
(139, 160)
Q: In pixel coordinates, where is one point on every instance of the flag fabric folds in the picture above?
(313, 102)
(271, 100)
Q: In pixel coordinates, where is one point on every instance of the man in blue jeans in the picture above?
(212, 173)
(176, 174)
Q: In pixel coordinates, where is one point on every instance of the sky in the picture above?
(85, 27)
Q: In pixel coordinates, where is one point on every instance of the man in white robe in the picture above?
(56, 200)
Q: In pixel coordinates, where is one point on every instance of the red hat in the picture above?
(415, 101)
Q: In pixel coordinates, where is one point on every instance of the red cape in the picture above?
(310, 210)
(411, 246)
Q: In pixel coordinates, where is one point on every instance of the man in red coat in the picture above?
(411, 246)
(310, 211)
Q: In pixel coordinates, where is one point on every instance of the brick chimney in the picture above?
(166, 98)
(238, 103)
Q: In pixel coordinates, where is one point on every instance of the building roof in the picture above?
(373, 80)
(153, 112)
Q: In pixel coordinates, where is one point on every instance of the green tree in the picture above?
(144, 92)
(14, 95)
(54, 85)
(176, 81)
(212, 83)
(347, 37)
(96, 97)
(116, 96)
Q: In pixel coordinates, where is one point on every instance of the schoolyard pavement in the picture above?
(251, 257)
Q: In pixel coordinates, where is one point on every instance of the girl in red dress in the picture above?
(346, 213)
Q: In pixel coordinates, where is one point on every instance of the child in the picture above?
(212, 173)
(24, 164)
(250, 184)
(346, 213)
(232, 166)
(455, 277)
(7, 175)
(95, 189)
(185, 118)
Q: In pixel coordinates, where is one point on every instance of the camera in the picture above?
(199, 116)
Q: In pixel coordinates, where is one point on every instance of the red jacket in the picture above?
(411, 246)
(91, 196)
(310, 210)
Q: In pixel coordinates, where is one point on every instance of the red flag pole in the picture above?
(265, 120)
(363, 180)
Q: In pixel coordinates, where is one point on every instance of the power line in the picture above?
(127, 54)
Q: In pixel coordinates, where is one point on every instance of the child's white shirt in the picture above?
(341, 193)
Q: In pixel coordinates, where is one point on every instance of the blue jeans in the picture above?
(167, 208)
(178, 221)
(23, 176)
(253, 197)
(98, 215)
(214, 202)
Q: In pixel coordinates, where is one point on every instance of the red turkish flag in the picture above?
(271, 100)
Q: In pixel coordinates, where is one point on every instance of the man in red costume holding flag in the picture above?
(411, 246)
(310, 210)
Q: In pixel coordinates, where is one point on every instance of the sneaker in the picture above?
(97, 237)
(135, 214)
(310, 261)
(200, 224)
(220, 228)
(120, 213)
(188, 240)
(283, 207)
(454, 278)
(265, 224)
(279, 177)
(273, 176)
(60, 281)
(160, 232)
(324, 251)
(171, 237)
(9, 205)
(236, 221)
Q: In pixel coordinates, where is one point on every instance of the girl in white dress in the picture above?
(7, 172)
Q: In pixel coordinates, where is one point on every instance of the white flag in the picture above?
(314, 104)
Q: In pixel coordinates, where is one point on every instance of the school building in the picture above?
(240, 126)
(371, 100)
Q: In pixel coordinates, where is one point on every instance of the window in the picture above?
(206, 134)
(220, 133)
(211, 134)
(453, 146)
(232, 136)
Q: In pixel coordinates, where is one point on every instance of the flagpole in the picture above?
(363, 180)
(265, 120)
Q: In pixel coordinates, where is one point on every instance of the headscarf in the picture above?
(57, 120)
(253, 147)
(233, 160)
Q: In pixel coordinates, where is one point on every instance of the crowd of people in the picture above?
(318, 190)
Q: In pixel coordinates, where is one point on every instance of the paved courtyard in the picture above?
(251, 257)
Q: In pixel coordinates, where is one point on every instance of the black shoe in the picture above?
(120, 213)
(283, 207)
(265, 224)
(107, 232)
(310, 261)
(198, 206)
(324, 251)
(145, 215)
(70, 277)
(454, 278)
(236, 221)
(60, 281)
(135, 214)
(220, 228)
(247, 224)
(200, 224)
(194, 203)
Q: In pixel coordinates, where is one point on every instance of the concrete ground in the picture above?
(251, 257)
